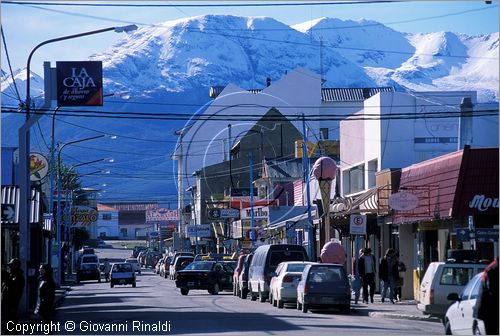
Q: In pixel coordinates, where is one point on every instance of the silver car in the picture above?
(135, 264)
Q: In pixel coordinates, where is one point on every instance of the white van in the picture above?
(442, 278)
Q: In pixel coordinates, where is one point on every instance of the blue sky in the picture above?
(27, 25)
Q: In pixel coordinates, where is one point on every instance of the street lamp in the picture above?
(24, 150)
(59, 182)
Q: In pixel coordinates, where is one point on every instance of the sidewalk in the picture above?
(406, 309)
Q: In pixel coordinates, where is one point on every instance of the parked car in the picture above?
(135, 264)
(174, 258)
(459, 318)
(324, 286)
(180, 263)
(137, 249)
(102, 244)
(165, 267)
(88, 268)
(122, 274)
(283, 286)
(442, 278)
(213, 276)
(243, 277)
(237, 271)
(265, 261)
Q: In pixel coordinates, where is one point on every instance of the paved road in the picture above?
(155, 306)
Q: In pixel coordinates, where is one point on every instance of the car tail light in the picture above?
(431, 297)
(288, 278)
(306, 288)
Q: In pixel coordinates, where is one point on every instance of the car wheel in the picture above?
(447, 328)
(134, 284)
(99, 280)
(305, 308)
(281, 304)
(112, 284)
(184, 291)
(253, 296)
(244, 293)
(262, 298)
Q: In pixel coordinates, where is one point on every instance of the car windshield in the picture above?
(295, 267)
(89, 266)
(325, 274)
(122, 268)
(200, 266)
(133, 261)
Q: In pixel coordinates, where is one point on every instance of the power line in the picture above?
(10, 67)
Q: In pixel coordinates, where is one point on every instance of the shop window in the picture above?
(106, 216)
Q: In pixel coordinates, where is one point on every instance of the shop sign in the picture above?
(162, 215)
(39, 167)
(215, 214)
(483, 203)
(79, 83)
(258, 213)
(200, 231)
(403, 201)
(83, 215)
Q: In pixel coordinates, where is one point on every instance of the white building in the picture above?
(107, 223)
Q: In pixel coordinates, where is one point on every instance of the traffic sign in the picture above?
(357, 224)
(8, 212)
(463, 234)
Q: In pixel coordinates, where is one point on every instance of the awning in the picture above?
(366, 202)
(10, 206)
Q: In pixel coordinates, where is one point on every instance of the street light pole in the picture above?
(59, 181)
(24, 169)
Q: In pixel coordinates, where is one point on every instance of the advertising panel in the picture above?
(83, 215)
(79, 83)
(161, 215)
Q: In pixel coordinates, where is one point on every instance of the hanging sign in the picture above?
(79, 83)
(39, 167)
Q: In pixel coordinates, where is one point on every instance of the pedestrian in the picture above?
(486, 308)
(12, 290)
(46, 294)
(389, 273)
(400, 280)
(106, 268)
(356, 282)
(367, 273)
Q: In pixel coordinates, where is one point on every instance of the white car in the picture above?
(135, 264)
(459, 318)
(122, 274)
(283, 285)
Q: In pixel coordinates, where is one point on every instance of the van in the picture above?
(442, 278)
(265, 260)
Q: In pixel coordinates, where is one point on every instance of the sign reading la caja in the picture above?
(79, 83)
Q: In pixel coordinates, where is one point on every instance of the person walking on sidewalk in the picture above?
(357, 282)
(12, 291)
(389, 273)
(46, 294)
(106, 269)
(367, 273)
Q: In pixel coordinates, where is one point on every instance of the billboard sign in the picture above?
(79, 83)
(216, 214)
(162, 215)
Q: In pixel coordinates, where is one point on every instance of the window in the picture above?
(106, 216)
(354, 180)
(372, 169)
(458, 276)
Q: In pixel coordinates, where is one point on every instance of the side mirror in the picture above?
(453, 297)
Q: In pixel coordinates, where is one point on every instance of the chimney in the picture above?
(268, 81)
(465, 123)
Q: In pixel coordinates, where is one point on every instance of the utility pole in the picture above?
(305, 162)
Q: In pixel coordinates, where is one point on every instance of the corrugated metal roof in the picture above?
(351, 94)
(328, 94)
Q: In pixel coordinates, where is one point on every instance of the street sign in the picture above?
(216, 214)
(487, 235)
(8, 212)
(463, 234)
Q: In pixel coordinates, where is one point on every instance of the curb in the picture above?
(404, 316)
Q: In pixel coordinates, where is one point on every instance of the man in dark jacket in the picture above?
(486, 308)
(367, 273)
(12, 290)
(389, 273)
(46, 294)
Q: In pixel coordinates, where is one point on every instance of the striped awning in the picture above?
(10, 196)
(366, 202)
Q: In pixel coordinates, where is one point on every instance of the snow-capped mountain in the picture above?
(169, 67)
